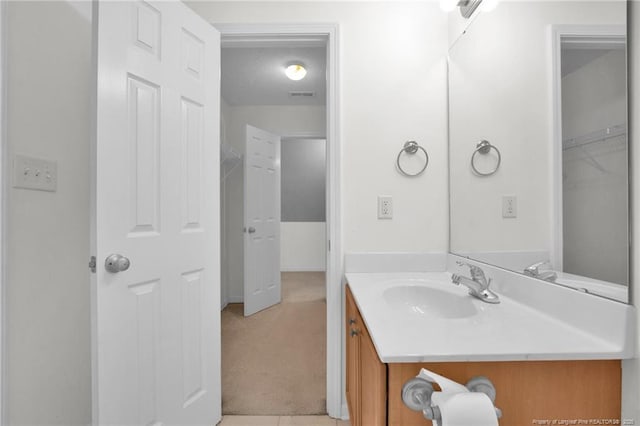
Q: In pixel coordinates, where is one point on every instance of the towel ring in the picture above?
(483, 147)
(411, 147)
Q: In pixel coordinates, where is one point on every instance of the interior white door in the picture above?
(156, 325)
(262, 287)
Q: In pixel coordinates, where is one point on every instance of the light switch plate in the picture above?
(35, 173)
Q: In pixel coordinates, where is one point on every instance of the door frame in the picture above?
(242, 34)
(4, 194)
(595, 34)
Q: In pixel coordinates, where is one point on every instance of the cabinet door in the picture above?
(373, 381)
(353, 324)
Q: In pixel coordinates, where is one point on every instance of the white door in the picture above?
(156, 325)
(262, 220)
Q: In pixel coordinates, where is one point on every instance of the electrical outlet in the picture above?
(385, 207)
(35, 173)
(509, 206)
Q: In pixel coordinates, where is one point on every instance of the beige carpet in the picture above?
(274, 362)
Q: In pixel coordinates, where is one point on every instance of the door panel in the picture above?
(192, 124)
(143, 106)
(192, 356)
(262, 221)
(156, 326)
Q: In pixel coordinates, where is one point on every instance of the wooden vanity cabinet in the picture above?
(527, 391)
(366, 374)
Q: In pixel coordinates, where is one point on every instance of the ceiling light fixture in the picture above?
(295, 71)
(467, 7)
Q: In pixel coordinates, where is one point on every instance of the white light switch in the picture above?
(509, 206)
(34, 173)
(385, 207)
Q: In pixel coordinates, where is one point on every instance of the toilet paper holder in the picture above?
(416, 394)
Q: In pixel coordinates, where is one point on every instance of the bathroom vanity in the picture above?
(543, 368)
(538, 199)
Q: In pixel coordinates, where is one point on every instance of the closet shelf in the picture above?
(229, 154)
(597, 136)
(229, 160)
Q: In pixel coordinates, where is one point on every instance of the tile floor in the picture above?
(281, 421)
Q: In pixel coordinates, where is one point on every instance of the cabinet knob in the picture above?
(354, 332)
(352, 320)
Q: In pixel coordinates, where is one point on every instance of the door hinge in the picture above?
(92, 264)
(329, 244)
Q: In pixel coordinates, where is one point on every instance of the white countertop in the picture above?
(508, 331)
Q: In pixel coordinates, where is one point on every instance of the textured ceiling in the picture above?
(255, 75)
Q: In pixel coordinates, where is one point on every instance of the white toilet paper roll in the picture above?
(446, 385)
(465, 409)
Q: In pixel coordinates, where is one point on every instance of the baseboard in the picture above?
(235, 299)
(302, 269)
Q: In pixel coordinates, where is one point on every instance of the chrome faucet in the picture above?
(478, 285)
(534, 271)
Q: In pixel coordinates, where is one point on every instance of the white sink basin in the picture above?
(423, 317)
(429, 301)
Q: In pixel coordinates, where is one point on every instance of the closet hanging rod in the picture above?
(228, 153)
(597, 136)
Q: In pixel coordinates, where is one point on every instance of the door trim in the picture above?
(312, 34)
(4, 193)
(592, 34)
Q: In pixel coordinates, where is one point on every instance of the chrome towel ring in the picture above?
(411, 147)
(484, 147)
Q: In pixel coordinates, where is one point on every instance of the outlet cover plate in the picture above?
(509, 206)
(385, 207)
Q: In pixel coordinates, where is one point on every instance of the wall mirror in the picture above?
(544, 85)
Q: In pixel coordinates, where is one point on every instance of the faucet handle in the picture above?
(534, 268)
(461, 263)
(476, 271)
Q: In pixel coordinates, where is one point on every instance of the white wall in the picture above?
(278, 119)
(303, 246)
(392, 89)
(595, 178)
(512, 109)
(281, 120)
(631, 368)
(47, 291)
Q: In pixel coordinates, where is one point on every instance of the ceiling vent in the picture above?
(302, 94)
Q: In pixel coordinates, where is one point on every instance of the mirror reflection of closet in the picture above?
(594, 158)
(545, 83)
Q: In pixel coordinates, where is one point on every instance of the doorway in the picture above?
(310, 131)
(590, 185)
